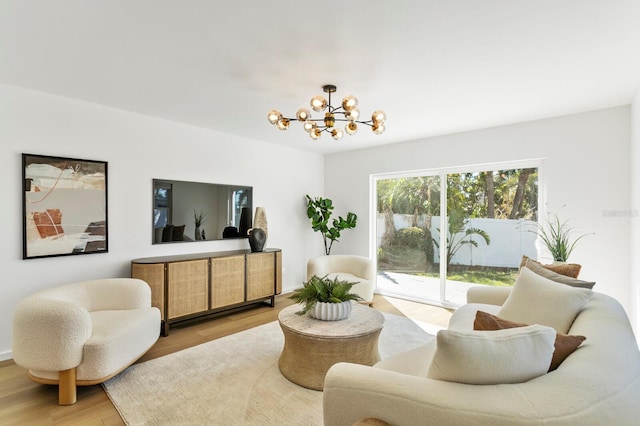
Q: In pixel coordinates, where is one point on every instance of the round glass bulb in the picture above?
(378, 116)
(283, 123)
(349, 102)
(309, 125)
(336, 134)
(274, 116)
(318, 103)
(315, 134)
(351, 128)
(352, 115)
(303, 114)
(378, 128)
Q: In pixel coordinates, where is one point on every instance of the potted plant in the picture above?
(199, 218)
(556, 236)
(319, 211)
(325, 299)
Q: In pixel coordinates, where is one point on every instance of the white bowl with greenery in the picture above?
(325, 299)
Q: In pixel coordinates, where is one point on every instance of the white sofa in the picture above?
(598, 384)
(352, 268)
(84, 333)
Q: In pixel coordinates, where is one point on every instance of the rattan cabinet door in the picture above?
(188, 287)
(227, 281)
(152, 274)
(261, 268)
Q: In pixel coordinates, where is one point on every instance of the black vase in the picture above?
(245, 221)
(257, 239)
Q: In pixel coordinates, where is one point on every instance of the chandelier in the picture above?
(347, 112)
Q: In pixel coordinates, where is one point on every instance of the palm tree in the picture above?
(459, 237)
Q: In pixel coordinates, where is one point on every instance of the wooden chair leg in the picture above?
(67, 387)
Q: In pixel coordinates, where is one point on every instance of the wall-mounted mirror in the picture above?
(225, 211)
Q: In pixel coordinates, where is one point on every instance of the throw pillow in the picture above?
(541, 270)
(492, 357)
(564, 344)
(537, 300)
(567, 269)
(178, 233)
(167, 233)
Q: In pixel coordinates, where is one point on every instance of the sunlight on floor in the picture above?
(429, 318)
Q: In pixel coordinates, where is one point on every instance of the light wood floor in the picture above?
(23, 402)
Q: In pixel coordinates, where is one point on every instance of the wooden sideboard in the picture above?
(191, 286)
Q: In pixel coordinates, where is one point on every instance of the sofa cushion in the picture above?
(564, 344)
(492, 357)
(177, 234)
(543, 271)
(167, 233)
(567, 269)
(537, 300)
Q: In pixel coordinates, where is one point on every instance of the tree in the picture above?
(523, 178)
(456, 238)
(490, 194)
(319, 210)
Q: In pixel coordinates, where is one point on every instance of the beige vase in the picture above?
(260, 220)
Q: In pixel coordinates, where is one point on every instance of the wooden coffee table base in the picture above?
(306, 358)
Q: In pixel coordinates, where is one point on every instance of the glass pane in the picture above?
(407, 209)
(490, 217)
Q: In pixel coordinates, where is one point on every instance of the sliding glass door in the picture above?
(439, 232)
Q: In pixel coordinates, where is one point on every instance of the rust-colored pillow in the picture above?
(567, 269)
(565, 344)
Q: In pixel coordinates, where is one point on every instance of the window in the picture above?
(438, 232)
(161, 204)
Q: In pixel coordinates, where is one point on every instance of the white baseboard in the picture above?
(4, 356)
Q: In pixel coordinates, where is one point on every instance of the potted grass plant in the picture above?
(556, 236)
(199, 218)
(325, 299)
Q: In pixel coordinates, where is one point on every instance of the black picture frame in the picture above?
(64, 206)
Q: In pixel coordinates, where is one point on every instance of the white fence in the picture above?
(509, 240)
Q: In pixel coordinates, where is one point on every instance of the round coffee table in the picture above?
(312, 346)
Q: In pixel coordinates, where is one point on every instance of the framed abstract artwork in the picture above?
(64, 206)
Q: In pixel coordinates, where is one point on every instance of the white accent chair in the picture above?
(358, 269)
(84, 333)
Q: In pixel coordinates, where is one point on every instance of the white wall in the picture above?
(138, 149)
(586, 167)
(635, 208)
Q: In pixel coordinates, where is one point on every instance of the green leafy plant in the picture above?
(199, 218)
(323, 290)
(319, 210)
(556, 236)
(459, 237)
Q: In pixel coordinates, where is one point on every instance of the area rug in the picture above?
(233, 380)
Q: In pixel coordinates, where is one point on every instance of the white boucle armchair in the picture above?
(358, 269)
(84, 333)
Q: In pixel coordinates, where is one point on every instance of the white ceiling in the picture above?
(433, 66)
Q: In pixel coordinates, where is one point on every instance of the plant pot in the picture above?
(331, 311)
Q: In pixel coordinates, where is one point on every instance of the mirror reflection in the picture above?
(196, 211)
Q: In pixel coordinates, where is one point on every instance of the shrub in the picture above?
(410, 237)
